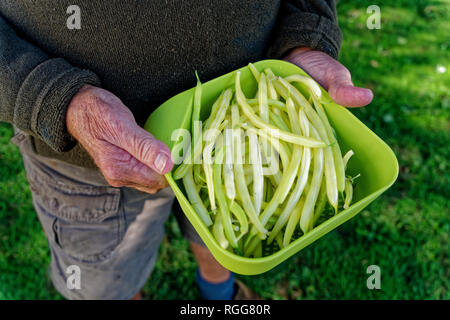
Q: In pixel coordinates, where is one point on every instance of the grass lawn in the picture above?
(405, 232)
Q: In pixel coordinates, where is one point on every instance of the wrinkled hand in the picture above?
(332, 75)
(126, 154)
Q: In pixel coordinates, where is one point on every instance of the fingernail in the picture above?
(160, 162)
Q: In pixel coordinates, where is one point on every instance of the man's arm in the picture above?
(306, 23)
(35, 89)
(62, 105)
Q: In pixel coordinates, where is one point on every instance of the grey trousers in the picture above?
(103, 240)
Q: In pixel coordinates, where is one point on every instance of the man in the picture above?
(78, 97)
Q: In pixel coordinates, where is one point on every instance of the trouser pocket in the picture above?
(85, 221)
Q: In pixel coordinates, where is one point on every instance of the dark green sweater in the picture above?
(141, 50)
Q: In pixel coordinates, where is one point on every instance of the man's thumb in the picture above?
(350, 96)
(150, 151)
(343, 92)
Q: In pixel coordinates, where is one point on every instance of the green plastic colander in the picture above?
(373, 159)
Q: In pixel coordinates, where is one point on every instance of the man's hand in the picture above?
(332, 75)
(126, 154)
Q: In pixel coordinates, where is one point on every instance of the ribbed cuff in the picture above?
(43, 99)
(306, 30)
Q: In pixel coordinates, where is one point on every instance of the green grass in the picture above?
(405, 232)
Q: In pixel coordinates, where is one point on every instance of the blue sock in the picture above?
(216, 291)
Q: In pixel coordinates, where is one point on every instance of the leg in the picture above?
(214, 281)
(210, 269)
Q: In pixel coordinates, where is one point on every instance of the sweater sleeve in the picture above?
(35, 89)
(306, 23)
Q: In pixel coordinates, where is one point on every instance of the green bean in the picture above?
(258, 122)
(348, 193)
(221, 110)
(272, 92)
(285, 118)
(264, 113)
(218, 231)
(197, 101)
(207, 165)
(228, 165)
(311, 197)
(198, 177)
(254, 71)
(278, 121)
(198, 144)
(330, 176)
(263, 98)
(310, 83)
(211, 134)
(235, 118)
(269, 73)
(304, 122)
(347, 157)
(292, 223)
(215, 107)
(321, 201)
(277, 104)
(241, 186)
(337, 155)
(196, 137)
(240, 215)
(221, 199)
(293, 116)
(194, 198)
(258, 177)
(263, 204)
(182, 169)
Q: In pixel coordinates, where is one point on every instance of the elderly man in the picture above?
(78, 95)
